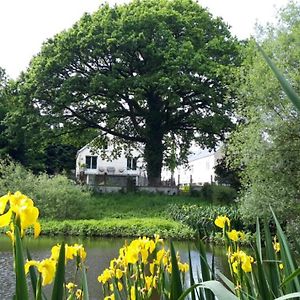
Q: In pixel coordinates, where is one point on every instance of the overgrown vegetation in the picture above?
(200, 217)
(216, 194)
(56, 196)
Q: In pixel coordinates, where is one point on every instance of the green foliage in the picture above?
(216, 194)
(59, 280)
(60, 158)
(201, 218)
(21, 284)
(60, 198)
(226, 175)
(271, 274)
(110, 227)
(27, 137)
(56, 197)
(150, 72)
(266, 143)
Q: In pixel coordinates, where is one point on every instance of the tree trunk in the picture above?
(154, 157)
(154, 149)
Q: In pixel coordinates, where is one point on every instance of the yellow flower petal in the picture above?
(47, 267)
(79, 294)
(29, 216)
(70, 286)
(37, 229)
(119, 274)
(30, 263)
(5, 219)
(132, 293)
(3, 202)
(233, 235)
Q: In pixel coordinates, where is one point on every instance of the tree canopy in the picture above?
(154, 73)
(267, 141)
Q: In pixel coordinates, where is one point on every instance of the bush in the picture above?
(56, 197)
(201, 218)
(218, 194)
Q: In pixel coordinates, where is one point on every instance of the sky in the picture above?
(26, 24)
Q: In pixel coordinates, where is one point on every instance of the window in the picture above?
(91, 162)
(131, 163)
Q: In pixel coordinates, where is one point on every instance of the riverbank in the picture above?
(131, 215)
(114, 227)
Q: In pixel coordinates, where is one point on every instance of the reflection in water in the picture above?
(99, 253)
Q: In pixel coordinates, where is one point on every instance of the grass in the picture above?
(135, 205)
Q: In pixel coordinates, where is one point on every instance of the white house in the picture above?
(128, 171)
(199, 170)
(125, 170)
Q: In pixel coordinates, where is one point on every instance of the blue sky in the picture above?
(26, 24)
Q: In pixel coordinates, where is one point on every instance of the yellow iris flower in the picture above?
(105, 276)
(235, 235)
(276, 245)
(70, 252)
(119, 274)
(23, 208)
(240, 258)
(79, 294)
(220, 221)
(71, 286)
(134, 258)
(183, 267)
(46, 267)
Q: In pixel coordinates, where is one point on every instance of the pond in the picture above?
(99, 253)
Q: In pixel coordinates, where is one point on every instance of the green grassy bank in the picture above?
(134, 205)
(132, 215)
(112, 227)
(125, 215)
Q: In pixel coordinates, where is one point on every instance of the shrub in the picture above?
(218, 194)
(57, 197)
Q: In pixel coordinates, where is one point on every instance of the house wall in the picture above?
(116, 167)
(199, 171)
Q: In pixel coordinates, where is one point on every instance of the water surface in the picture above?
(99, 253)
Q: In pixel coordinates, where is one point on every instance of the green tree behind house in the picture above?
(154, 73)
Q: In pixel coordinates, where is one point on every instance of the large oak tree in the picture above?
(151, 72)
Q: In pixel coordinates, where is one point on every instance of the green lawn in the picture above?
(134, 205)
